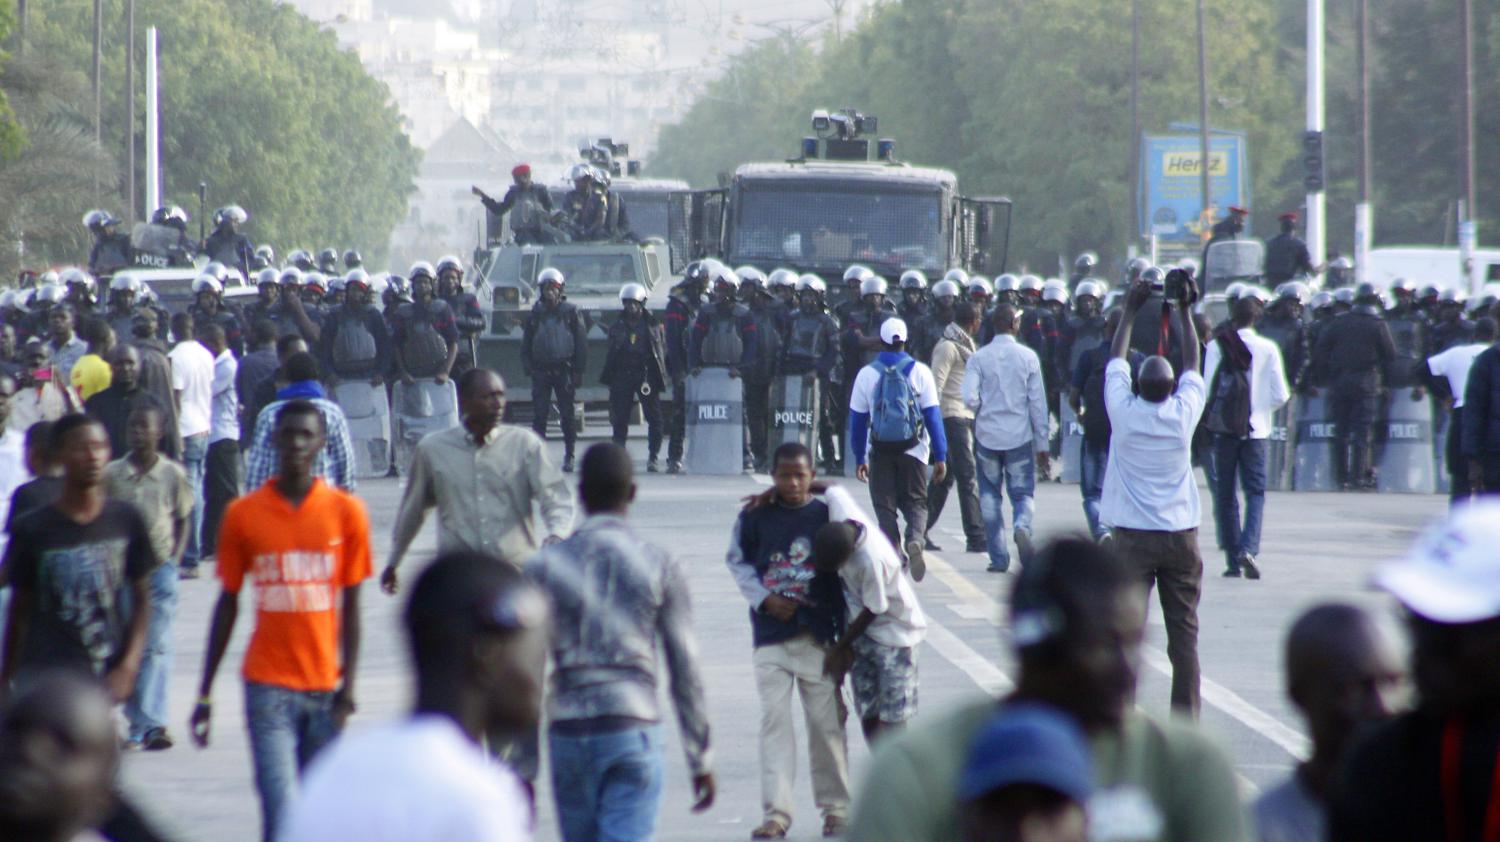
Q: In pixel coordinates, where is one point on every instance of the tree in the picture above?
(263, 105)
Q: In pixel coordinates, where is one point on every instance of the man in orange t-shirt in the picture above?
(306, 545)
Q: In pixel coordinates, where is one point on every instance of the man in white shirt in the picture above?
(193, 391)
(879, 647)
(1003, 386)
(12, 456)
(1240, 447)
(478, 634)
(221, 467)
(1451, 367)
(895, 463)
(1150, 499)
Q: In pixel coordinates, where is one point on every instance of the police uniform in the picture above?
(769, 327)
(1351, 354)
(812, 347)
(230, 248)
(928, 331)
(470, 319)
(226, 318)
(1292, 338)
(531, 206)
(110, 252)
(682, 309)
(635, 368)
(1286, 258)
(1409, 336)
(356, 343)
(554, 353)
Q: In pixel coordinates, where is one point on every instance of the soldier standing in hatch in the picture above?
(529, 205)
(1286, 255)
(554, 353)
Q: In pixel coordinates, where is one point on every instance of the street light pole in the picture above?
(1203, 160)
(130, 207)
(1364, 224)
(1317, 240)
(1468, 233)
(1135, 124)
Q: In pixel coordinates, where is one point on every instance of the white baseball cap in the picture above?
(1452, 575)
(893, 331)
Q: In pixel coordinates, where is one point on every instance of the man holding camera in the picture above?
(1150, 501)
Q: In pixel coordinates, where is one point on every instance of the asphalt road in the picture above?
(1316, 547)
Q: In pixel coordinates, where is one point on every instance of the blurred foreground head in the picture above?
(57, 759)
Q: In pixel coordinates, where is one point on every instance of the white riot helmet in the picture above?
(291, 276)
(1055, 290)
(233, 213)
(268, 275)
(207, 283)
(945, 289)
(1088, 287)
(633, 292)
(216, 270)
(1234, 291)
(1031, 283)
(1258, 293)
(551, 275)
(1190, 265)
(913, 279)
(752, 277)
(315, 280)
(123, 283)
(421, 269)
(48, 277)
(782, 278)
(72, 276)
(580, 171)
(48, 294)
(357, 276)
(337, 283)
(450, 263)
(724, 275)
(1008, 283)
(957, 276)
(811, 282)
(872, 285)
(979, 285)
(857, 273)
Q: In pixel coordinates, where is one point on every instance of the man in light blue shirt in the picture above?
(1003, 386)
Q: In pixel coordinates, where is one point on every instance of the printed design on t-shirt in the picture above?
(294, 581)
(790, 574)
(83, 582)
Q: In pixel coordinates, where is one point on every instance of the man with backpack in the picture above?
(1006, 389)
(1246, 385)
(355, 342)
(896, 427)
(554, 352)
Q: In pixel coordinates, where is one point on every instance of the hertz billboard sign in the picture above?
(1170, 195)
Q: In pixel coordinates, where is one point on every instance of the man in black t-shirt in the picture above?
(79, 571)
(46, 483)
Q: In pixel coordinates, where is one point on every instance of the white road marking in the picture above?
(984, 672)
(973, 600)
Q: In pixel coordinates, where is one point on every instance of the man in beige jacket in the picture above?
(949, 359)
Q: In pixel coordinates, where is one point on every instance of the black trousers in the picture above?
(758, 420)
(898, 483)
(961, 471)
(1170, 561)
(1353, 411)
(221, 484)
(547, 384)
(677, 426)
(621, 399)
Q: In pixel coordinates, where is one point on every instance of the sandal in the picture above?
(834, 826)
(769, 829)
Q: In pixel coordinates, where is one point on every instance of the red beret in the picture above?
(521, 169)
(1238, 209)
(1289, 216)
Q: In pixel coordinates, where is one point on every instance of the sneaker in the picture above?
(834, 826)
(1023, 545)
(568, 464)
(653, 466)
(130, 744)
(929, 546)
(674, 466)
(1232, 572)
(914, 560)
(1247, 563)
(997, 568)
(156, 739)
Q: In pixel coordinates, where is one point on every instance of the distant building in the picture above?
(443, 217)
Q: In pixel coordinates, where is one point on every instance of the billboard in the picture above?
(1170, 195)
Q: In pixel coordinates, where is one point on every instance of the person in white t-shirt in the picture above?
(879, 647)
(193, 390)
(1451, 368)
(896, 468)
(478, 632)
(1150, 499)
(221, 467)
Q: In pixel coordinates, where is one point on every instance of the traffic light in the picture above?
(1312, 161)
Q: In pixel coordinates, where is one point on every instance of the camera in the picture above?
(1176, 284)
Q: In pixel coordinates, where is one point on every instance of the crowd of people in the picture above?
(127, 464)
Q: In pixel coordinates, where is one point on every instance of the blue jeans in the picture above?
(1015, 469)
(1247, 459)
(194, 452)
(147, 706)
(287, 727)
(607, 785)
(1091, 482)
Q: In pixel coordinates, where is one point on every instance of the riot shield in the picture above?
(369, 414)
(1227, 261)
(1281, 447)
(158, 246)
(1072, 442)
(423, 407)
(715, 423)
(1314, 447)
(794, 410)
(1405, 463)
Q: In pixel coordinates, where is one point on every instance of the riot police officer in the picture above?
(1005, 290)
(981, 293)
(724, 334)
(1340, 273)
(584, 208)
(356, 341)
(914, 305)
(554, 353)
(1228, 228)
(328, 261)
(353, 260)
(1083, 330)
(1427, 302)
(1287, 256)
(1409, 334)
(1283, 325)
(124, 295)
(78, 291)
(1321, 307)
(812, 347)
(1352, 353)
(111, 249)
(287, 311)
(178, 252)
(770, 324)
(635, 369)
(302, 260)
(930, 328)
(226, 244)
(267, 290)
(860, 340)
(854, 276)
(209, 308)
(1083, 269)
(466, 309)
(682, 310)
(263, 257)
(783, 284)
(1449, 326)
(334, 298)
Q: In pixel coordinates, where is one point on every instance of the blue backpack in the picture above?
(895, 417)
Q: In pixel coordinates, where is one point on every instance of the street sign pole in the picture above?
(1317, 241)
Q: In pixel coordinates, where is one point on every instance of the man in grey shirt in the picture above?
(616, 600)
(1344, 671)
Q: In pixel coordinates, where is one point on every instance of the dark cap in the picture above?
(1028, 744)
